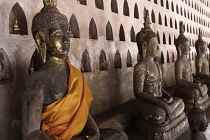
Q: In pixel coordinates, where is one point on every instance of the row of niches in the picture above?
(18, 25)
(190, 3)
(181, 11)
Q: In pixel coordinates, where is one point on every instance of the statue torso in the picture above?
(53, 80)
(204, 65)
(186, 69)
(152, 79)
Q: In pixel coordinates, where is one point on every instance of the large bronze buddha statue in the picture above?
(57, 99)
(186, 84)
(202, 63)
(159, 113)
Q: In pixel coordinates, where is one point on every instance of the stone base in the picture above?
(170, 131)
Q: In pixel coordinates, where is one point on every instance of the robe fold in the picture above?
(67, 117)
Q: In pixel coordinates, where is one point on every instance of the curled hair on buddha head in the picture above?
(199, 42)
(145, 35)
(48, 15)
(181, 39)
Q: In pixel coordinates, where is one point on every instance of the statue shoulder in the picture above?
(35, 80)
(140, 66)
(178, 62)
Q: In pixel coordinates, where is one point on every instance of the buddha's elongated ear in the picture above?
(144, 49)
(42, 46)
(180, 47)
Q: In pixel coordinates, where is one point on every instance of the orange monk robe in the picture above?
(67, 117)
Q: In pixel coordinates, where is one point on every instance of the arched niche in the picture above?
(167, 4)
(74, 27)
(158, 37)
(36, 62)
(85, 62)
(177, 9)
(166, 23)
(161, 3)
(164, 38)
(93, 33)
(171, 23)
(168, 57)
(153, 16)
(133, 35)
(103, 61)
(172, 6)
(173, 57)
(17, 14)
(162, 58)
(175, 24)
(117, 60)
(109, 32)
(126, 8)
(114, 6)
(99, 4)
(136, 11)
(129, 59)
(160, 19)
(83, 2)
(122, 33)
(6, 72)
(155, 1)
(169, 40)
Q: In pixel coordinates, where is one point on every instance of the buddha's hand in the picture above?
(168, 100)
(91, 134)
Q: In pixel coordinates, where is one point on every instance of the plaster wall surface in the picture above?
(112, 87)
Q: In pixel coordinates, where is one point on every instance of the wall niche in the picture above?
(93, 33)
(74, 27)
(85, 62)
(129, 59)
(109, 32)
(36, 62)
(83, 2)
(133, 35)
(114, 7)
(122, 33)
(99, 4)
(117, 60)
(103, 61)
(17, 21)
(6, 72)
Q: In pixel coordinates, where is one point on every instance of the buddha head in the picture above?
(50, 31)
(200, 45)
(147, 40)
(197, 118)
(182, 43)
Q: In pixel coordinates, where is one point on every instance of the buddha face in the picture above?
(152, 47)
(59, 40)
(186, 48)
(203, 49)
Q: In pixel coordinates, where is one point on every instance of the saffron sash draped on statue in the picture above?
(67, 117)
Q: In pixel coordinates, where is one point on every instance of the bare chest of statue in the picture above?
(55, 82)
(186, 70)
(152, 80)
(205, 66)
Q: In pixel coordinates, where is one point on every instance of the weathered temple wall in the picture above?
(113, 86)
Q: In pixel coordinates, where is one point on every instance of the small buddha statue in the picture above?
(57, 98)
(186, 84)
(198, 122)
(16, 29)
(158, 110)
(202, 63)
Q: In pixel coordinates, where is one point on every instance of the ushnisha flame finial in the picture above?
(50, 2)
(147, 22)
(181, 28)
(200, 34)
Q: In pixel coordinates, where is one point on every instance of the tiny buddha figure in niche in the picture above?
(202, 63)
(186, 84)
(159, 113)
(57, 99)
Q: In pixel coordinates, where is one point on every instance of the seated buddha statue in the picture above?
(57, 98)
(186, 84)
(160, 113)
(202, 63)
